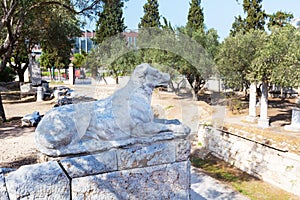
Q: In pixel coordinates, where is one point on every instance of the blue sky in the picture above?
(218, 14)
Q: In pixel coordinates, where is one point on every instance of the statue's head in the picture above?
(146, 75)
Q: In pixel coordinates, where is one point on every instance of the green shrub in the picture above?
(7, 75)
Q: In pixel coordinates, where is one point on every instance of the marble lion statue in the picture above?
(77, 128)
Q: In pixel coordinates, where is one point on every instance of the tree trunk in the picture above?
(2, 112)
(21, 75)
(195, 97)
(281, 93)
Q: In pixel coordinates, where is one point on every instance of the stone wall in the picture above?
(160, 170)
(276, 166)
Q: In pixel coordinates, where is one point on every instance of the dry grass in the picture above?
(244, 183)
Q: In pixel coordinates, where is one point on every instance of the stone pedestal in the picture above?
(71, 74)
(35, 72)
(295, 125)
(39, 94)
(157, 170)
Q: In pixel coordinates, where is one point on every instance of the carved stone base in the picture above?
(263, 123)
(156, 170)
(251, 119)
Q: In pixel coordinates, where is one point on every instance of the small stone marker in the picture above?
(295, 125)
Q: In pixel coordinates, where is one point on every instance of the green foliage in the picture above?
(7, 75)
(195, 29)
(236, 55)
(79, 60)
(111, 21)
(47, 59)
(112, 56)
(235, 105)
(255, 18)
(151, 16)
(213, 169)
(279, 19)
(195, 18)
(278, 60)
(20, 19)
(109, 38)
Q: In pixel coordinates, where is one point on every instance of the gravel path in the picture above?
(206, 187)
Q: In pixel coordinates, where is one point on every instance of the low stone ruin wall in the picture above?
(160, 170)
(278, 167)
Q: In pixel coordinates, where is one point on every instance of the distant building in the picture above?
(131, 38)
(85, 42)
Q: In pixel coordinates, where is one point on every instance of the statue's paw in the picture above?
(180, 129)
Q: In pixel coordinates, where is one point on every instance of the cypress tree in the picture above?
(255, 17)
(111, 21)
(151, 17)
(195, 18)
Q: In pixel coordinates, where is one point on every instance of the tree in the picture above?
(280, 19)
(236, 55)
(14, 13)
(111, 21)
(151, 15)
(277, 62)
(109, 57)
(110, 27)
(79, 59)
(255, 17)
(195, 18)
(15, 16)
(195, 28)
(57, 31)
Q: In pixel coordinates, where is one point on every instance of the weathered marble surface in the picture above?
(122, 118)
(169, 181)
(39, 181)
(90, 164)
(149, 170)
(3, 192)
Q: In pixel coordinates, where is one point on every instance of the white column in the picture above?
(263, 119)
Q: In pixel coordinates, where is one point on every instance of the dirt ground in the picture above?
(17, 145)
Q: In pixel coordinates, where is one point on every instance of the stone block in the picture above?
(26, 87)
(3, 191)
(144, 156)
(39, 181)
(168, 181)
(295, 125)
(183, 150)
(263, 123)
(90, 164)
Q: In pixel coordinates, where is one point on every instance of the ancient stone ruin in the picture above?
(108, 149)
